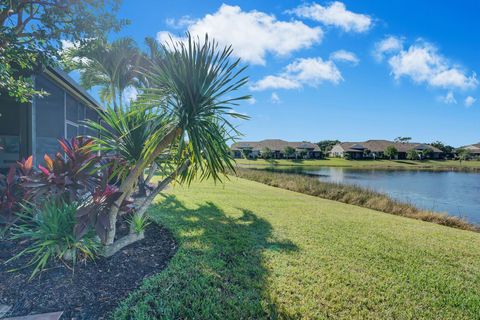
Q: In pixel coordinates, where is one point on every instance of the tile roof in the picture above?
(381, 145)
(274, 145)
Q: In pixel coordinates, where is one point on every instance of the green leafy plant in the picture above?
(390, 152)
(412, 154)
(190, 93)
(50, 232)
(138, 223)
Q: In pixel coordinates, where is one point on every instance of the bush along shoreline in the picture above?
(351, 194)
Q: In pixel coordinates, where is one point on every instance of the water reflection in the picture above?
(456, 193)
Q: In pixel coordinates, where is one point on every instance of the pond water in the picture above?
(457, 193)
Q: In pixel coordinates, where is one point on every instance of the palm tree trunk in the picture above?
(159, 188)
(128, 186)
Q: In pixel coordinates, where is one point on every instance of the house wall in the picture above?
(337, 151)
(57, 115)
(13, 130)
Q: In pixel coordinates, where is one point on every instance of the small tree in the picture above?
(464, 154)
(289, 152)
(390, 152)
(327, 145)
(412, 154)
(403, 139)
(33, 34)
(190, 121)
(427, 153)
(246, 153)
(266, 153)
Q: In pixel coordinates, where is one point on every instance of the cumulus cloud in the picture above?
(130, 94)
(283, 81)
(274, 98)
(336, 14)
(422, 63)
(449, 98)
(469, 101)
(180, 23)
(390, 44)
(253, 34)
(308, 71)
(252, 100)
(343, 55)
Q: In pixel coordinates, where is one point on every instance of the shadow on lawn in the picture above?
(218, 272)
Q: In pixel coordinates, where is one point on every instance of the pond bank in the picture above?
(351, 194)
(428, 165)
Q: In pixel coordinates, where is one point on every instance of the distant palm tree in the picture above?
(111, 66)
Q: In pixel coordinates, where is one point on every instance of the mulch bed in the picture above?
(94, 289)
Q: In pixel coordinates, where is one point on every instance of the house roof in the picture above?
(381, 145)
(274, 145)
(473, 148)
(70, 83)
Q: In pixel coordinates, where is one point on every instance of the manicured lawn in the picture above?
(250, 251)
(385, 164)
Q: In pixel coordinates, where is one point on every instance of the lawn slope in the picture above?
(250, 251)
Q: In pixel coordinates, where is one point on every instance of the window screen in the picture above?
(72, 108)
(49, 117)
(72, 131)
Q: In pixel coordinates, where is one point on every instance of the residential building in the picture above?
(374, 149)
(33, 128)
(473, 148)
(277, 147)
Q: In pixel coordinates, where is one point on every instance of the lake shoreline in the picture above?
(352, 194)
(407, 165)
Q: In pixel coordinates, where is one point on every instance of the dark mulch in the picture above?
(94, 289)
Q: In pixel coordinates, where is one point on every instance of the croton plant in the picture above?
(75, 174)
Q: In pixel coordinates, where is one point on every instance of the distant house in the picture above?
(305, 150)
(473, 148)
(374, 149)
(33, 128)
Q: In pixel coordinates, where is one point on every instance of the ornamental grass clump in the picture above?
(49, 232)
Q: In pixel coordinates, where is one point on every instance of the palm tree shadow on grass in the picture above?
(218, 271)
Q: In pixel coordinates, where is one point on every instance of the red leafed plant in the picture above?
(71, 173)
(12, 192)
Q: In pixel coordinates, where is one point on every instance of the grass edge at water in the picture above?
(351, 194)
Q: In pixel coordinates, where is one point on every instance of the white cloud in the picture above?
(343, 55)
(68, 45)
(449, 98)
(423, 64)
(309, 71)
(388, 45)
(469, 101)
(252, 100)
(253, 34)
(180, 23)
(130, 94)
(275, 98)
(335, 14)
(276, 82)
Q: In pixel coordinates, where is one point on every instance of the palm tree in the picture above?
(111, 66)
(190, 93)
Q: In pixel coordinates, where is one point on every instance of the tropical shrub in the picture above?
(189, 97)
(50, 231)
(12, 191)
(71, 173)
(390, 152)
(266, 153)
(412, 154)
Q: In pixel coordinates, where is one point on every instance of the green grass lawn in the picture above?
(250, 251)
(385, 164)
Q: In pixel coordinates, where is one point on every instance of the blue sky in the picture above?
(349, 70)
